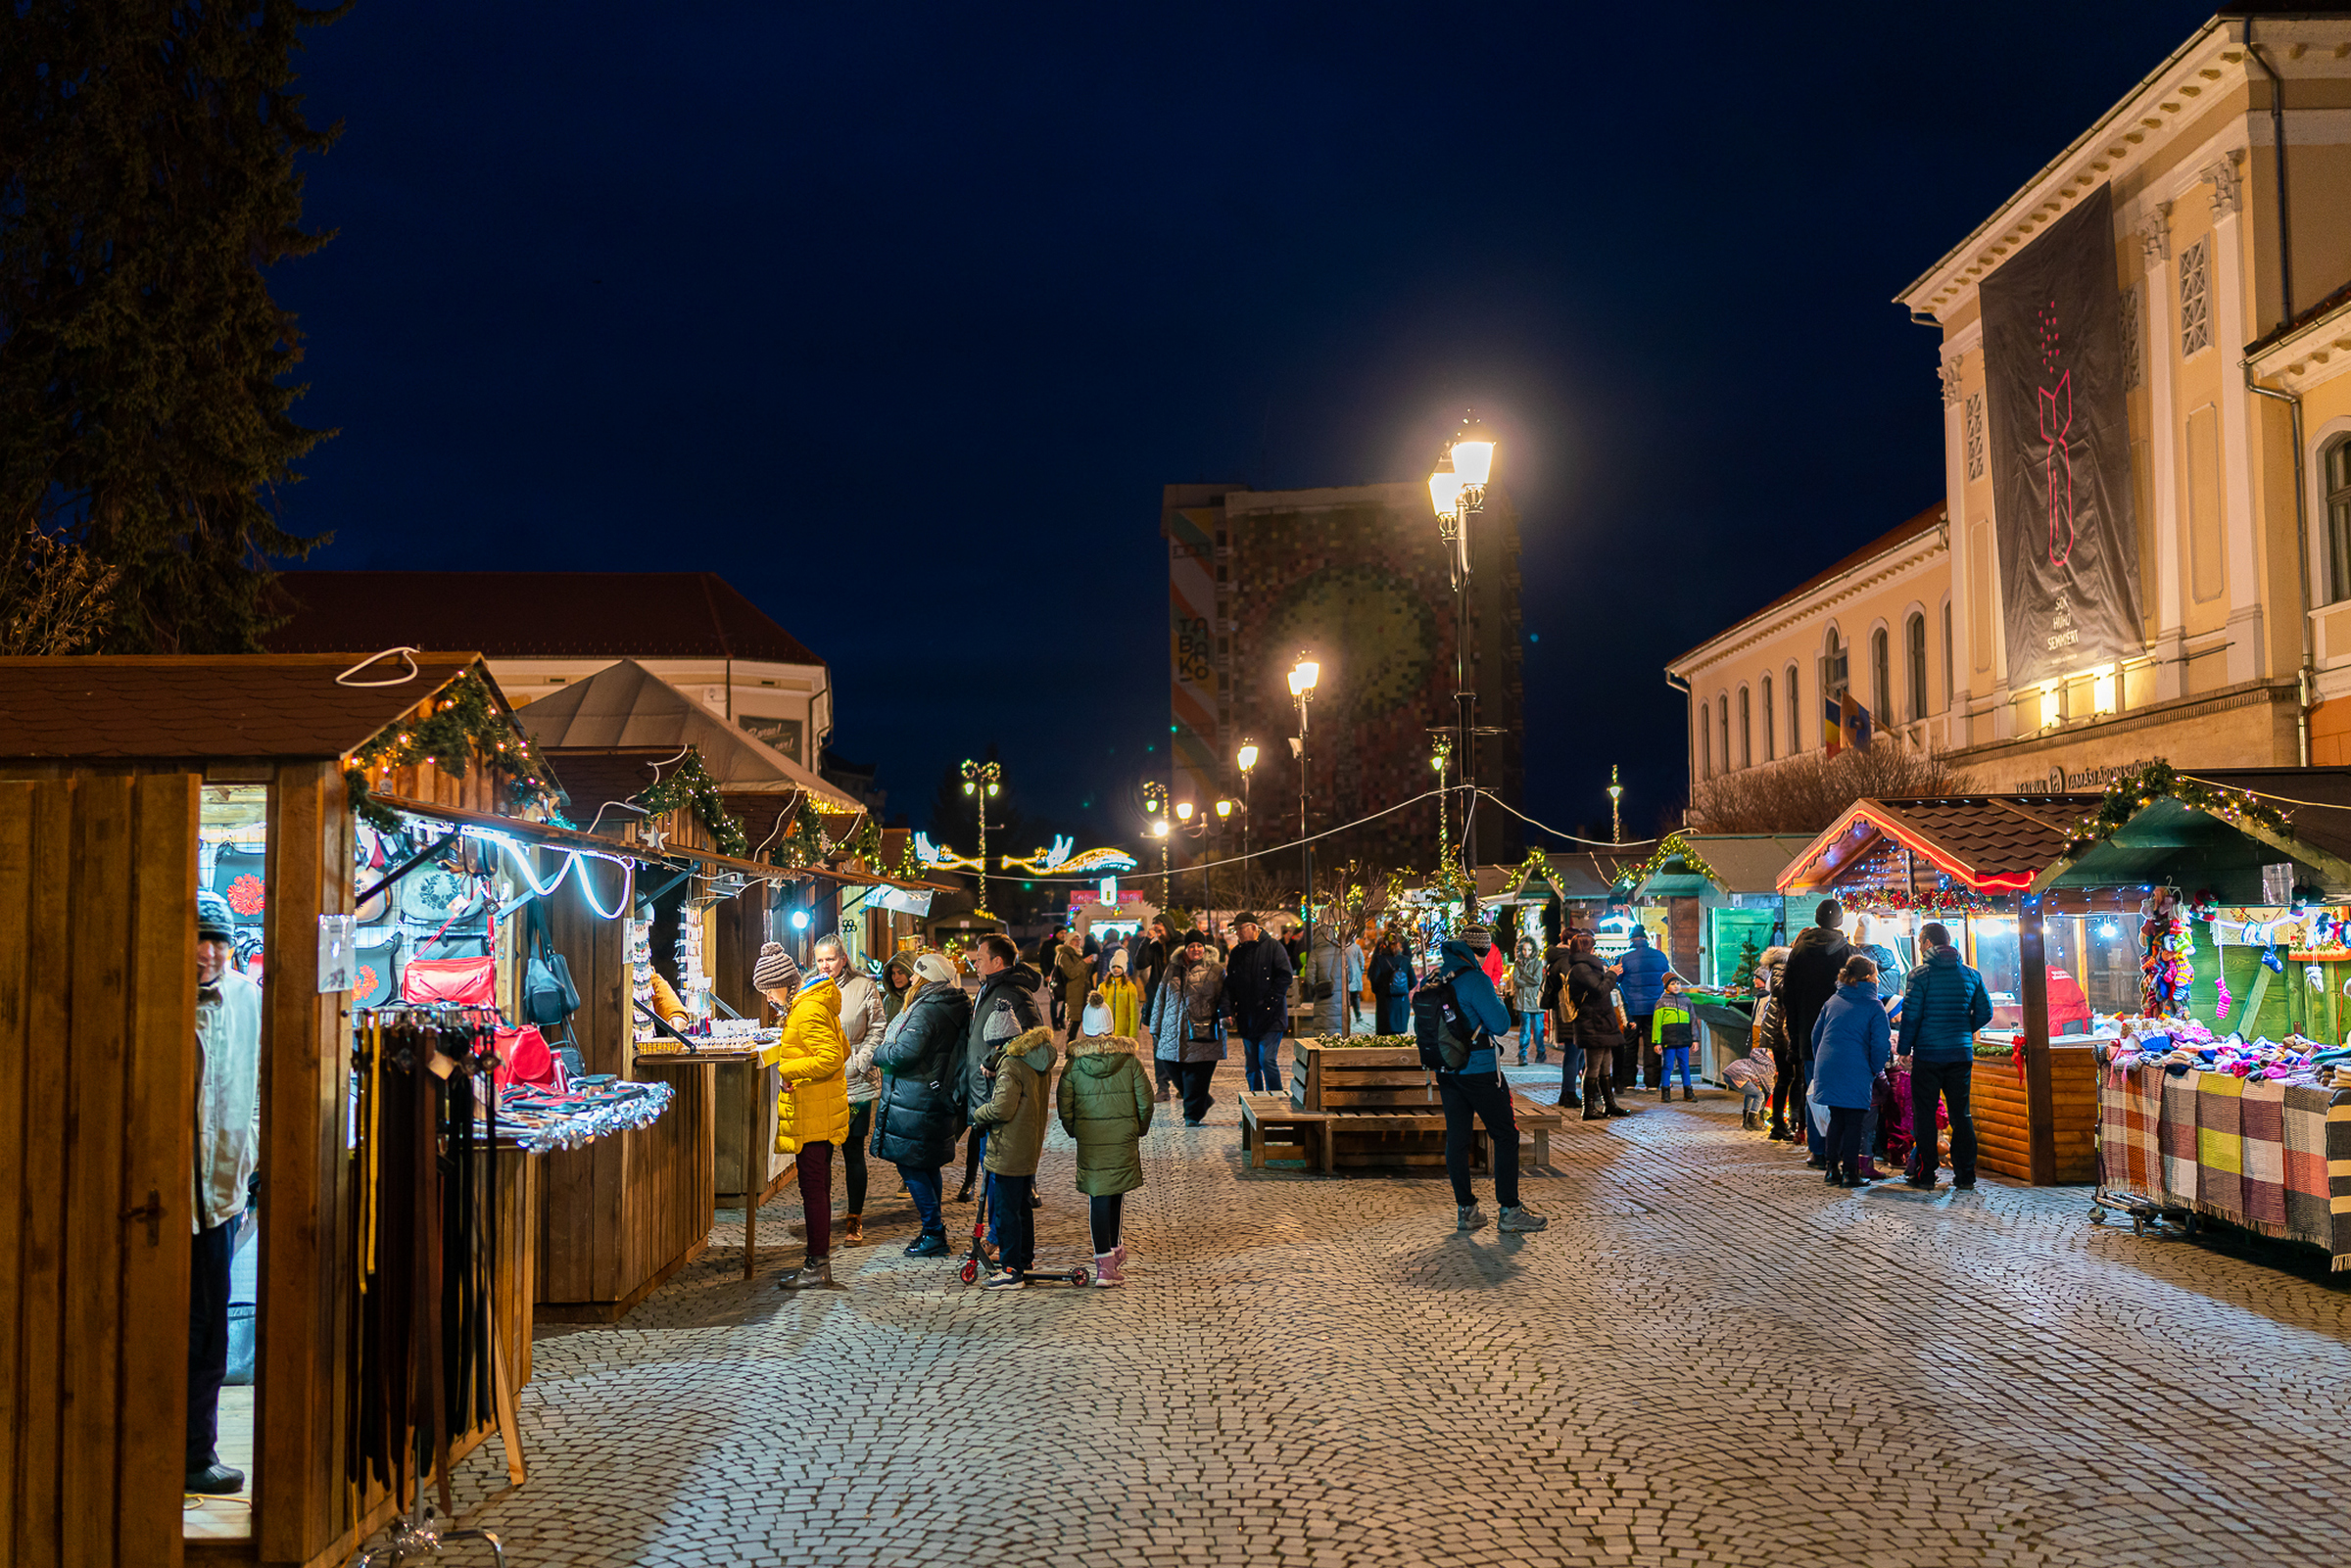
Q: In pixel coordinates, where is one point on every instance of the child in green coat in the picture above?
(1673, 1032)
(1105, 1104)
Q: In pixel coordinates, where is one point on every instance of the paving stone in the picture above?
(1710, 1358)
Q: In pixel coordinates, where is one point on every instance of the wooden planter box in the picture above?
(1363, 1078)
(2003, 1126)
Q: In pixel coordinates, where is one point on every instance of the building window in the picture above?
(1771, 737)
(1722, 710)
(1706, 744)
(2133, 333)
(1947, 653)
(1881, 677)
(1914, 648)
(1747, 733)
(2195, 300)
(2336, 466)
(1833, 680)
(1973, 413)
(1796, 730)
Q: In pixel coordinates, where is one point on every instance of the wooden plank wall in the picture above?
(97, 1107)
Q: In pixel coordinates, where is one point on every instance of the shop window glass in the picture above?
(2337, 469)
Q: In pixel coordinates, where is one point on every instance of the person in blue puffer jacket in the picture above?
(1942, 1011)
(1477, 1092)
(1852, 1043)
(1638, 988)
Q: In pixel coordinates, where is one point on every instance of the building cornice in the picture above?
(2311, 355)
(1908, 556)
(2210, 65)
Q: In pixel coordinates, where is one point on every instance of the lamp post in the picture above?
(1154, 802)
(1247, 758)
(1302, 676)
(1457, 494)
(983, 780)
(1208, 882)
(1183, 816)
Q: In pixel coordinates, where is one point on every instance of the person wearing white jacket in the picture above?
(228, 1149)
(861, 1024)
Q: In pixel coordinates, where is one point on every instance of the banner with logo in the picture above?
(2061, 451)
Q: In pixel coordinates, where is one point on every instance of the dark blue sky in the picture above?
(900, 316)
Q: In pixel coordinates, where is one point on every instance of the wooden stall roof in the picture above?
(1585, 877)
(205, 706)
(626, 708)
(1742, 863)
(1988, 843)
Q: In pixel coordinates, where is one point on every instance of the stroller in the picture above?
(978, 1258)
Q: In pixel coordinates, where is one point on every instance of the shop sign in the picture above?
(2064, 781)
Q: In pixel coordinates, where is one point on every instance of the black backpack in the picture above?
(1444, 1037)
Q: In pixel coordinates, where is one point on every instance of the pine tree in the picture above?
(1745, 974)
(149, 183)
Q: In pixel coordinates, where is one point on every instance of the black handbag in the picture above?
(548, 996)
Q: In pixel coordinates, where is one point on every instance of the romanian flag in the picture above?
(1832, 724)
(1844, 723)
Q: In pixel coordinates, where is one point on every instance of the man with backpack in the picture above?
(1457, 1018)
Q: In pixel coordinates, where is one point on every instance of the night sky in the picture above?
(899, 316)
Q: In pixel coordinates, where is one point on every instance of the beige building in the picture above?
(1877, 623)
(2227, 172)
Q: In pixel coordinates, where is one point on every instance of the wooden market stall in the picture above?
(126, 785)
(1721, 895)
(2055, 899)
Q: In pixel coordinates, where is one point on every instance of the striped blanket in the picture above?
(2129, 1113)
(2275, 1160)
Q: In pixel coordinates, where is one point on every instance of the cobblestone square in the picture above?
(1710, 1358)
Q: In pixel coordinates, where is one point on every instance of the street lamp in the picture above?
(983, 780)
(1302, 676)
(1247, 758)
(1456, 494)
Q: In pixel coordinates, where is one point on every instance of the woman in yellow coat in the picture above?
(812, 1103)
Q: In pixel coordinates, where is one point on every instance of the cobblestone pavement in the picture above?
(1710, 1358)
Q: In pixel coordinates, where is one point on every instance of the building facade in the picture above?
(1355, 575)
(1877, 623)
(2203, 582)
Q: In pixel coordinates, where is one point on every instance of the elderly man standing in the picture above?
(228, 1144)
(1257, 993)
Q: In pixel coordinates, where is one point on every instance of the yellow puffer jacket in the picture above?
(812, 1105)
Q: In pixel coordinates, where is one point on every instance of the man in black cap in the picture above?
(1256, 996)
(228, 1143)
(1807, 983)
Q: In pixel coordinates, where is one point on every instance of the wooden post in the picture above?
(2041, 1109)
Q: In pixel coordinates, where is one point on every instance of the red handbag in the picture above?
(465, 981)
(524, 1058)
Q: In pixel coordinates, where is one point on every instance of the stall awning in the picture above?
(1986, 844)
(1688, 865)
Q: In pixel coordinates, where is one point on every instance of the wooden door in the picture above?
(97, 1109)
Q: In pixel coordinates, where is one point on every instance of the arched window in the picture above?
(1771, 736)
(1747, 733)
(1795, 729)
(1881, 678)
(2337, 469)
(1706, 744)
(1914, 639)
(1832, 668)
(1722, 708)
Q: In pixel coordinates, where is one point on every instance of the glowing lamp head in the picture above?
(1445, 489)
(1159, 828)
(1224, 808)
(1184, 811)
(991, 787)
(799, 919)
(1248, 756)
(967, 787)
(1473, 452)
(1304, 677)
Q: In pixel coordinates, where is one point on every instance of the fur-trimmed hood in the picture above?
(1096, 1054)
(1035, 1047)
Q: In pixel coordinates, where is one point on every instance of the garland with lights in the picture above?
(1900, 901)
(1673, 847)
(690, 786)
(463, 720)
(2140, 788)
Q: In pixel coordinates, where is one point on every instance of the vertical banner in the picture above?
(1194, 742)
(2061, 451)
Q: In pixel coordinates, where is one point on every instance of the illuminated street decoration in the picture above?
(938, 857)
(1059, 860)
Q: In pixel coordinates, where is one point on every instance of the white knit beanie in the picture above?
(1097, 1020)
(936, 968)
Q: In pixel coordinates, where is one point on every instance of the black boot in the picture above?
(1594, 1109)
(1688, 1093)
(1613, 1108)
(1569, 1099)
(1664, 1093)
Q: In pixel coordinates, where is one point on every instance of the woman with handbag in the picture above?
(1591, 992)
(919, 1113)
(1188, 1022)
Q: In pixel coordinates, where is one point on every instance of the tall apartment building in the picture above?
(1355, 575)
(2147, 428)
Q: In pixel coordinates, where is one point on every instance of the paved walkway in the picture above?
(1710, 1357)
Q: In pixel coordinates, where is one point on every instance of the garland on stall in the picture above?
(463, 721)
(1673, 847)
(690, 786)
(802, 842)
(2141, 787)
(1944, 900)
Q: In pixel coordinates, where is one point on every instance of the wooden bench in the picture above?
(1329, 1140)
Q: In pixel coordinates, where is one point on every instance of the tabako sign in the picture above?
(2061, 451)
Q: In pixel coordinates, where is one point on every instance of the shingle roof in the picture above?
(517, 615)
(1991, 842)
(252, 705)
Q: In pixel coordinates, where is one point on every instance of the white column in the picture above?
(2248, 649)
(1954, 512)
(2163, 489)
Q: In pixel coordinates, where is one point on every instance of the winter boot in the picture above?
(814, 1274)
(1593, 1109)
(1688, 1093)
(1664, 1093)
(1570, 1100)
(1747, 1120)
(1106, 1271)
(853, 1230)
(1608, 1090)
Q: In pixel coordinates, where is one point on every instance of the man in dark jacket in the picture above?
(1006, 1008)
(1806, 984)
(920, 1110)
(1943, 1007)
(1257, 996)
(1638, 985)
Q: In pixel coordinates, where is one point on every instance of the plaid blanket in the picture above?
(2129, 1110)
(2317, 1169)
(2176, 1136)
(2221, 1146)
